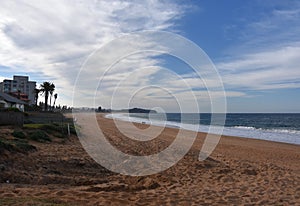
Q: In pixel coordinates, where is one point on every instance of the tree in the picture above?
(47, 88)
(51, 93)
(55, 97)
(36, 95)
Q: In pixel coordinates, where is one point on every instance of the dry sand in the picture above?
(239, 172)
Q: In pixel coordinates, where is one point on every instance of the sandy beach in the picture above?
(240, 171)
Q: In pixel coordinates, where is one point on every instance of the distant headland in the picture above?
(103, 110)
(133, 110)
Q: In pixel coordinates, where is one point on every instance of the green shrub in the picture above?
(72, 129)
(5, 145)
(19, 145)
(12, 109)
(50, 128)
(19, 134)
(59, 128)
(32, 126)
(60, 135)
(24, 147)
(39, 136)
(19, 141)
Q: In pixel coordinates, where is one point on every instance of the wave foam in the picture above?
(277, 135)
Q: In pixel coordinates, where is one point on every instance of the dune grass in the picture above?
(52, 128)
(20, 145)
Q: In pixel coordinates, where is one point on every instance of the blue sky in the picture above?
(254, 45)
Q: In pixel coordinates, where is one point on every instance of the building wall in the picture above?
(31, 92)
(4, 104)
(8, 85)
(21, 83)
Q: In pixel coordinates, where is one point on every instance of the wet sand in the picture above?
(240, 171)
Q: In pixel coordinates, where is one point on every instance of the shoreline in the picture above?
(291, 140)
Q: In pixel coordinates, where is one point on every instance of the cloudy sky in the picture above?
(254, 45)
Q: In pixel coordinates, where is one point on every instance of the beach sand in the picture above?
(240, 171)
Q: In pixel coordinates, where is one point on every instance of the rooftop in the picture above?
(11, 99)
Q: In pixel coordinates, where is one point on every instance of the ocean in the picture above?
(274, 127)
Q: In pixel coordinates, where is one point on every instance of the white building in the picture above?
(22, 84)
(7, 101)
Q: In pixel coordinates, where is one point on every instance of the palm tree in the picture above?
(55, 97)
(47, 88)
(36, 95)
(51, 94)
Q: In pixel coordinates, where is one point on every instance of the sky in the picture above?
(254, 46)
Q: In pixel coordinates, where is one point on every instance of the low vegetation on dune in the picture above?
(18, 145)
(21, 139)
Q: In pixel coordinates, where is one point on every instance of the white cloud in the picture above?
(276, 69)
(267, 53)
(54, 37)
(2, 78)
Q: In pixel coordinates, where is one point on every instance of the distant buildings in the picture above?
(7, 101)
(20, 87)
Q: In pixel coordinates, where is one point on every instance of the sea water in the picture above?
(274, 127)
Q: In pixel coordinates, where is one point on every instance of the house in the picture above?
(7, 101)
(21, 96)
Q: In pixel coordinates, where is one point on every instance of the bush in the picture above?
(55, 130)
(50, 128)
(19, 145)
(72, 129)
(39, 136)
(12, 109)
(19, 134)
(59, 128)
(60, 135)
(32, 126)
(24, 146)
(5, 145)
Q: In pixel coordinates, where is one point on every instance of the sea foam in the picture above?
(277, 135)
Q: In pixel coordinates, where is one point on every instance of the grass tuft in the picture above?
(4, 144)
(57, 129)
(24, 146)
(19, 145)
(39, 136)
(19, 134)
